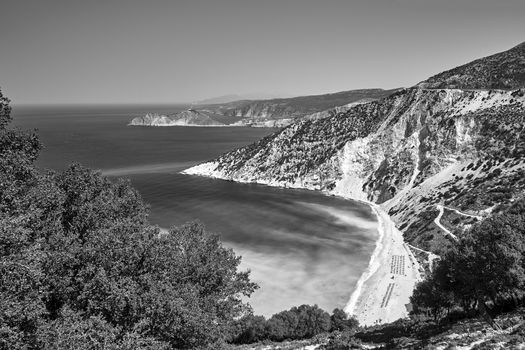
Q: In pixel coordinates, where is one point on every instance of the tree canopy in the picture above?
(82, 268)
(486, 267)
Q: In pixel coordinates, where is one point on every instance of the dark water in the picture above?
(302, 246)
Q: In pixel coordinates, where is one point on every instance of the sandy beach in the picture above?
(384, 290)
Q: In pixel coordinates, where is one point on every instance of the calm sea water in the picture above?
(301, 246)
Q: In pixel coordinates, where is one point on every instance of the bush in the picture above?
(300, 322)
(250, 329)
(340, 321)
(342, 341)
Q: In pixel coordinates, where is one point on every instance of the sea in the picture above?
(302, 247)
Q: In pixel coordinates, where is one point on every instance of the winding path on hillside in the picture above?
(438, 222)
(441, 209)
(477, 217)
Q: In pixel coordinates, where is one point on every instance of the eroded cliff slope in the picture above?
(435, 159)
(409, 152)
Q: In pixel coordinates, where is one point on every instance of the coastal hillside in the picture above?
(431, 162)
(273, 113)
(504, 70)
(189, 117)
(288, 110)
(409, 152)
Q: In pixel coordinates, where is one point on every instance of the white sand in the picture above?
(383, 293)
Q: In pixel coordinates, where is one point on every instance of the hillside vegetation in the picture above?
(504, 70)
(411, 151)
(81, 267)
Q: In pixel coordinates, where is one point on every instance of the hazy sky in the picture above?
(111, 51)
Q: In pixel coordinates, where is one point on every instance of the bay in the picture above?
(302, 247)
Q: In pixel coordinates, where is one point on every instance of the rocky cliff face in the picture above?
(185, 118)
(436, 159)
(151, 119)
(409, 152)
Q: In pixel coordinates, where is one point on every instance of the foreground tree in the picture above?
(435, 293)
(81, 267)
(300, 322)
(250, 329)
(70, 331)
(21, 289)
(489, 259)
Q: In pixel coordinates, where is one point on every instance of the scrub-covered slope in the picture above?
(417, 152)
(409, 152)
(504, 70)
(284, 111)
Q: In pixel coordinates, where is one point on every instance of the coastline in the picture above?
(373, 265)
(383, 290)
(184, 125)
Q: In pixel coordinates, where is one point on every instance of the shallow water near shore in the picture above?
(301, 246)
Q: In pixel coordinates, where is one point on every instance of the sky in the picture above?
(169, 51)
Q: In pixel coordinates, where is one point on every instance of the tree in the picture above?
(342, 341)
(433, 293)
(182, 287)
(5, 111)
(71, 331)
(300, 322)
(250, 329)
(489, 259)
(312, 321)
(21, 306)
(486, 266)
(340, 321)
(81, 267)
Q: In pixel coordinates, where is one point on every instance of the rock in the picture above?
(189, 117)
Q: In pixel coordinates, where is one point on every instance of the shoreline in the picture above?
(383, 290)
(372, 266)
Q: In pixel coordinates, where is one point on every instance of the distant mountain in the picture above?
(236, 97)
(219, 99)
(284, 111)
(268, 113)
(504, 70)
(189, 117)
